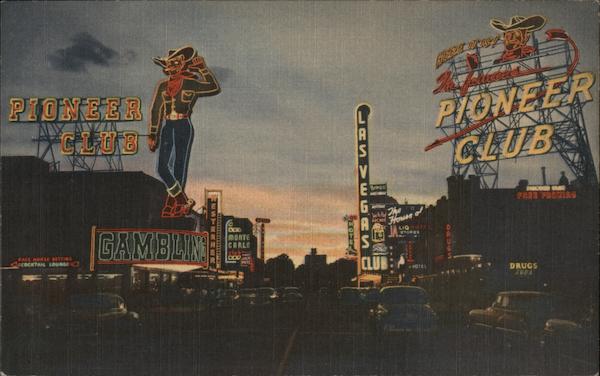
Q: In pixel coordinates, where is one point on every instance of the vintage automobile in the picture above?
(290, 295)
(403, 310)
(89, 316)
(571, 346)
(247, 297)
(226, 298)
(265, 295)
(84, 324)
(257, 296)
(515, 317)
(370, 296)
(350, 296)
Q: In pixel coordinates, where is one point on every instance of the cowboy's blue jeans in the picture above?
(174, 151)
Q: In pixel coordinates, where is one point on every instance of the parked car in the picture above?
(93, 315)
(265, 295)
(247, 297)
(226, 298)
(290, 295)
(325, 293)
(515, 316)
(370, 296)
(571, 346)
(85, 323)
(350, 296)
(403, 309)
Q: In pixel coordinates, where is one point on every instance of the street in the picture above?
(313, 337)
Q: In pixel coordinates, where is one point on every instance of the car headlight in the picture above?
(382, 311)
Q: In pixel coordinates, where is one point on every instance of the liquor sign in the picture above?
(214, 219)
(400, 220)
(147, 246)
(521, 98)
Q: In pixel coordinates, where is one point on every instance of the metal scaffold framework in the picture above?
(95, 145)
(553, 58)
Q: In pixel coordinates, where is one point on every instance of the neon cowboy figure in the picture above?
(174, 99)
(516, 34)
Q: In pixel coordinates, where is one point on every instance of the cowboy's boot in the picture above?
(168, 209)
(184, 204)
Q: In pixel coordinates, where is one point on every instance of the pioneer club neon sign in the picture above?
(483, 94)
(77, 109)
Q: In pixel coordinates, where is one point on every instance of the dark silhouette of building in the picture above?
(52, 213)
(313, 260)
(315, 270)
(558, 234)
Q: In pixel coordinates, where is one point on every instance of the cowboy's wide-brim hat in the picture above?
(188, 53)
(531, 23)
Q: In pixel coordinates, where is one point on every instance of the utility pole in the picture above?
(262, 222)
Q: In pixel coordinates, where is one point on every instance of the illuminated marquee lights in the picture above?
(526, 100)
(45, 262)
(448, 240)
(214, 218)
(237, 243)
(523, 269)
(143, 246)
(368, 261)
(480, 108)
(76, 110)
(546, 195)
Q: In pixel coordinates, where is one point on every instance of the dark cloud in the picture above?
(128, 56)
(84, 50)
(221, 73)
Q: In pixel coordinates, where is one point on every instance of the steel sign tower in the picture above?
(483, 71)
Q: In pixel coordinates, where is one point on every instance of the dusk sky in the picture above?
(279, 139)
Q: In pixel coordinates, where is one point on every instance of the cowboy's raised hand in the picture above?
(199, 62)
(152, 142)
